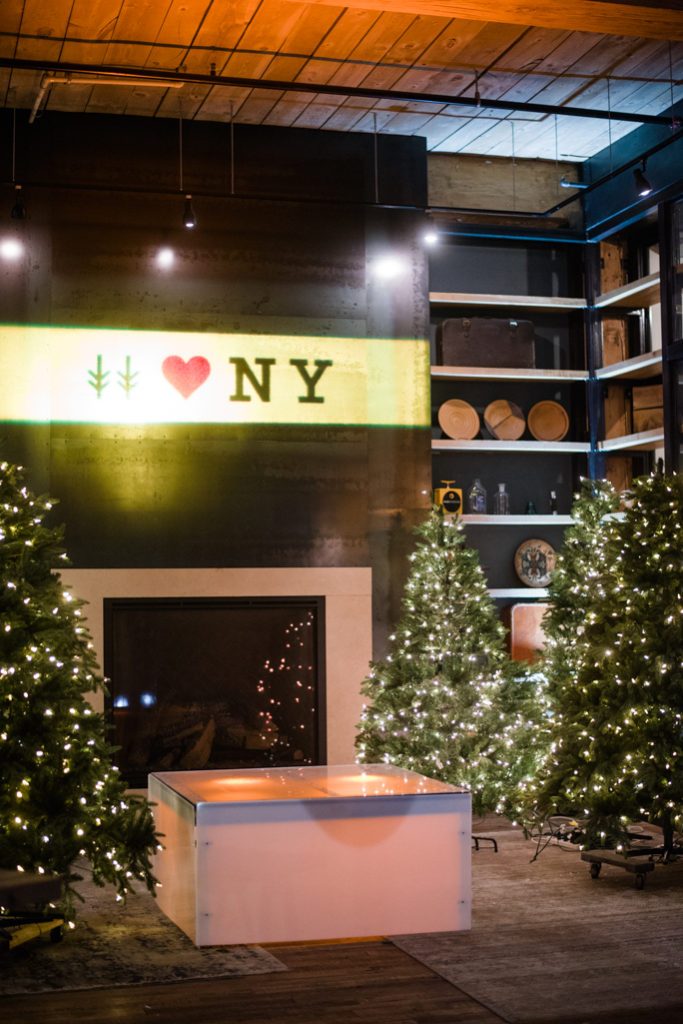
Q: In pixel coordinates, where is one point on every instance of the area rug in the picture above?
(548, 942)
(114, 945)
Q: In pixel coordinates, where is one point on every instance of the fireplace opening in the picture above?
(214, 683)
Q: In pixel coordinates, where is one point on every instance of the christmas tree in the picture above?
(447, 701)
(581, 568)
(61, 798)
(618, 721)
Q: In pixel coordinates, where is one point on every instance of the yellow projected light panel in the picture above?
(84, 375)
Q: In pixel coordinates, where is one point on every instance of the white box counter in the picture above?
(325, 852)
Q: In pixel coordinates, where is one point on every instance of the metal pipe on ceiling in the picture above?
(48, 80)
(168, 78)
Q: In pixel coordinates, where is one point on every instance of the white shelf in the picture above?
(505, 373)
(530, 592)
(645, 441)
(649, 364)
(469, 519)
(509, 301)
(634, 295)
(539, 447)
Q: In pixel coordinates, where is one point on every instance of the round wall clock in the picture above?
(534, 562)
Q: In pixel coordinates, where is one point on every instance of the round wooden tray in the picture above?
(504, 420)
(459, 420)
(548, 421)
(534, 562)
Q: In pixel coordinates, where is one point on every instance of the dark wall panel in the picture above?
(298, 260)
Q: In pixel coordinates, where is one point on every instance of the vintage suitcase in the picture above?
(525, 637)
(485, 341)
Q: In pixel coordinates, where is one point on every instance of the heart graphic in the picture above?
(186, 377)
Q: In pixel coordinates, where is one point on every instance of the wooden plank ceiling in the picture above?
(442, 69)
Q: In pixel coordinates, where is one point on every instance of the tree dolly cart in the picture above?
(24, 907)
(596, 858)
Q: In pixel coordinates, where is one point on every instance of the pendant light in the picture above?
(18, 211)
(189, 218)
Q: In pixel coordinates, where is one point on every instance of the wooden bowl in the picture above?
(459, 420)
(504, 420)
(548, 421)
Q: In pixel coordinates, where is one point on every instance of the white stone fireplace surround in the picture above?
(348, 621)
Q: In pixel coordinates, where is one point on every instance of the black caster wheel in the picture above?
(56, 934)
(640, 880)
(595, 870)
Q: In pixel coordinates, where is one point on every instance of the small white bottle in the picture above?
(501, 501)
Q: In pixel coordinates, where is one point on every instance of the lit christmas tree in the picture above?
(618, 726)
(447, 701)
(582, 567)
(61, 798)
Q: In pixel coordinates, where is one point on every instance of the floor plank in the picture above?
(346, 983)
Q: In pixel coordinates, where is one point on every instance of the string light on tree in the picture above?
(447, 701)
(61, 797)
(617, 718)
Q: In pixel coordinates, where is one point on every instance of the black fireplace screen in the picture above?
(214, 683)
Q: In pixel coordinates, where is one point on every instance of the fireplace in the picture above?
(205, 683)
(344, 633)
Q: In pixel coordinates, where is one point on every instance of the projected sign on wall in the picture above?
(84, 375)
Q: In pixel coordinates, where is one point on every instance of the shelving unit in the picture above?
(518, 593)
(506, 373)
(645, 441)
(600, 352)
(638, 294)
(531, 467)
(476, 299)
(649, 364)
(494, 445)
(624, 436)
(514, 520)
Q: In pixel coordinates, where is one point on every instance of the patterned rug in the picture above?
(116, 945)
(550, 943)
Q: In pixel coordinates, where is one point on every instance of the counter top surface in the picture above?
(315, 782)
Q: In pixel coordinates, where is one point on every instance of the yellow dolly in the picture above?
(25, 912)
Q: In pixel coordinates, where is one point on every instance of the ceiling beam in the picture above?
(648, 19)
(67, 68)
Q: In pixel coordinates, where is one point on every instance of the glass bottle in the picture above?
(476, 497)
(501, 501)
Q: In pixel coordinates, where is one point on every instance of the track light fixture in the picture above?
(18, 211)
(643, 186)
(189, 219)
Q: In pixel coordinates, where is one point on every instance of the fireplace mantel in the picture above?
(348, 621)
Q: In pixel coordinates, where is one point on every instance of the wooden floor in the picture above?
(354, 983)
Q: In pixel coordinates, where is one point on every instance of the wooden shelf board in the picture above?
(469, 519)
(646, 441)
(531, 592)
(649, 364)
(509, 301)
(634, 295)
(482, 445)
(505, 373)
